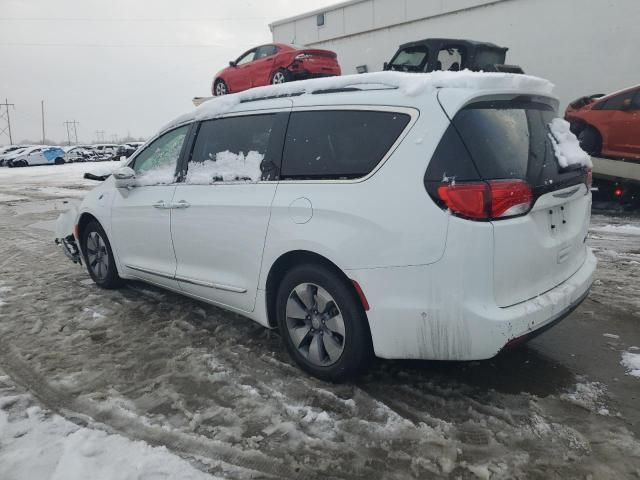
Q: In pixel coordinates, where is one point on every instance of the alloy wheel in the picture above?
(278, 78)
(221, 89)
(315, 324)
(97, 256)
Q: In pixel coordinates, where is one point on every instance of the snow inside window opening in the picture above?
(158, 166)
(226, 167)
(566, 145)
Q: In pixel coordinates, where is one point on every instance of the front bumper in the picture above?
(70, 248)
(421, 317)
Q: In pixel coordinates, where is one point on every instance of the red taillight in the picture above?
(487, 200)
(589, 181)
(509, 198)
(466, 199)
(618, 192)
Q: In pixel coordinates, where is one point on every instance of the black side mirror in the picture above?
(232, 63)
(385, 66)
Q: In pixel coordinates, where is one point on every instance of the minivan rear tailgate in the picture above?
(535, 253)
(508, 138)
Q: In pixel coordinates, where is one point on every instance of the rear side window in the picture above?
(502, 140)
(617, 102)
(237, 149)
(339, 144)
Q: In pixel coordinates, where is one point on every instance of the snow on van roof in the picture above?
(409, 84)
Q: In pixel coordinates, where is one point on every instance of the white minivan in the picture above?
(418, 216)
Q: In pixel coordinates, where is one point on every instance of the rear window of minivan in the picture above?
(508, 139)
(339, 144)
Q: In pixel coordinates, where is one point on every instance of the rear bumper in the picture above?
(306, 75)
(415, 315)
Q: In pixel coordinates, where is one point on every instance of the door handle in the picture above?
(160, 204)
(181, 204)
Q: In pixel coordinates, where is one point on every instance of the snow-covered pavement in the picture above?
(143, 383)
(38, 444)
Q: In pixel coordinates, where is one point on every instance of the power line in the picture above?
(139, 20)
(100, 135)
(5, 116)
(72, 127)
(106, 45)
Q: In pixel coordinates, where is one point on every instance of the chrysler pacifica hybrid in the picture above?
(412, 216)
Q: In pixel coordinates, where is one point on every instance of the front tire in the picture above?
(58, 161)
(220, 88)
(98, 257)
(322, 323)
(590, 141)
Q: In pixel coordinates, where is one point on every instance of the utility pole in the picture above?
(71, 127)
(5, 116)
(42, 109)
(100, 135)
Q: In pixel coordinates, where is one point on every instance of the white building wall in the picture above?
(582, 46)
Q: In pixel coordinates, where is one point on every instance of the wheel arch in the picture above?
(290, 259)
(83, 220)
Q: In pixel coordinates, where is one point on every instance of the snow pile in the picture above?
(164, 175)
(590, 396)
(631, 361)
(36, 444)
(410, 84)
(566, 145)
(107, 168)
(227, 166)
(625, 229)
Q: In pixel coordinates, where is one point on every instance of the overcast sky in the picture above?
(122, 66)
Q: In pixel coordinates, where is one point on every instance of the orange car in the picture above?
(608, 126)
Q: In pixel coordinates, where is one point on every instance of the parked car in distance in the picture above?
(78, 153)
(126, 150)
(10, 152)
(38, 155)
(332, 217)
(273, 64)
(608, 126)
(450, 54)
(104, 151)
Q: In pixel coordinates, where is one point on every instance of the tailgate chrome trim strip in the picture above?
(566, 194)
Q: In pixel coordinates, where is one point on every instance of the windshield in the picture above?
(412, 58)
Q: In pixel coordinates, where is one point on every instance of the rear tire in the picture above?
(322, 323)
(58, 161)
(220, 88)
(98, 257)
(590, 140)
(280, 76)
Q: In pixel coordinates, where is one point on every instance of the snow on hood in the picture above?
(410, 84)
(566, 145)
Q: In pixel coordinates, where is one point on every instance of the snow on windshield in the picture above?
(566, 145)
(227, 167)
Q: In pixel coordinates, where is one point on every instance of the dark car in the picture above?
(451, 54)
(273, 64)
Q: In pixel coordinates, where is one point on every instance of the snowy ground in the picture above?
(159, 386)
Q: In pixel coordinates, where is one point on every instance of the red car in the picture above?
(272, 64)
(608, 126)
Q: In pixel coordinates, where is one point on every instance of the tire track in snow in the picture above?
(134, 427)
